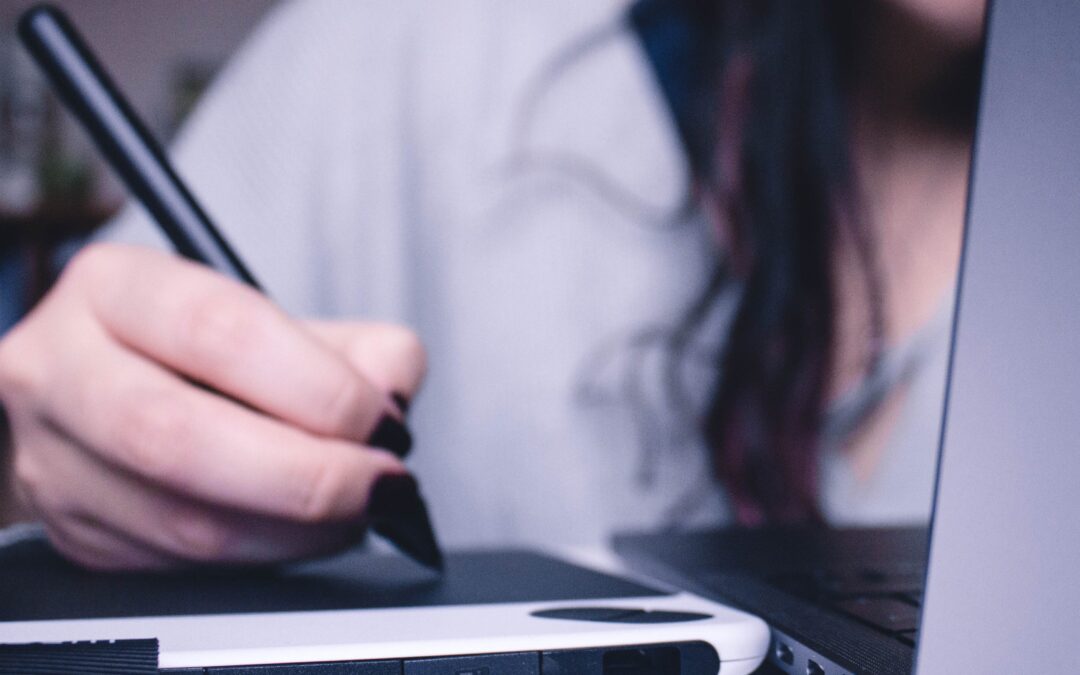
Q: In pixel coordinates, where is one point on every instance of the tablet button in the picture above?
(618, 615)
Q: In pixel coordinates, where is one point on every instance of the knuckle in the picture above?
(199, 536)
(27, 474)
(38, 488)
(65, 547)
(321, 491)
(18, 373)
(214, 328)
(68, 545)
(55, 503)
(343, 405)
(154, 434)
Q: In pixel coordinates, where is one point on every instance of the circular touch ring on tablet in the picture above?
(618, 615)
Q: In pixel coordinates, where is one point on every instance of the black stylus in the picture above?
(397, 510)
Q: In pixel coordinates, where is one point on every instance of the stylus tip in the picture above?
(412, 535)
(399, 515)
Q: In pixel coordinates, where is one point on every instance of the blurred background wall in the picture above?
(54, 190)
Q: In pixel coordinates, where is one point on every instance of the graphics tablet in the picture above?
(490, 613)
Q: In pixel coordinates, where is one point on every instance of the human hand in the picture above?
(161, 414)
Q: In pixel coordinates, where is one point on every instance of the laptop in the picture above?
(1001, 560)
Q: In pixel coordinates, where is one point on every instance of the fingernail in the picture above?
(391, 435)
(402, 401)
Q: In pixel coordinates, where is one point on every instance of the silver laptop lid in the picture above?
(1003, 592)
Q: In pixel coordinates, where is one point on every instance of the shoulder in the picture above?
(319, 59)
(310, 28)
(562, 76)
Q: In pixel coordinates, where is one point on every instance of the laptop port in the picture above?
(784, 653)
(812, 668)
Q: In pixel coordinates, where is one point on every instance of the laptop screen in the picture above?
(1002, 583)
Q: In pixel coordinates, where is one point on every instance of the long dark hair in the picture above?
(760, 94)
(760, 91)
(766, 134)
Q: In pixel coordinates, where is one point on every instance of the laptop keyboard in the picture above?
(886, 600)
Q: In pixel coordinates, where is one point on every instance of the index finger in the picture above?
(228, 336)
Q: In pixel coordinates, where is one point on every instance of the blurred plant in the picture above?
(65, 177)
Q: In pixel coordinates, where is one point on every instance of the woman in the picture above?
(512, 182)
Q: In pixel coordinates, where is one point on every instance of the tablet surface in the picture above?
(503, 607)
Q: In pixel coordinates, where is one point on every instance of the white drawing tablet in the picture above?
(491, 613)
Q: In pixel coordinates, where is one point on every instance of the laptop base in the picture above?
(771, 573)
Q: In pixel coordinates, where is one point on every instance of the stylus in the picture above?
(398, 512)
